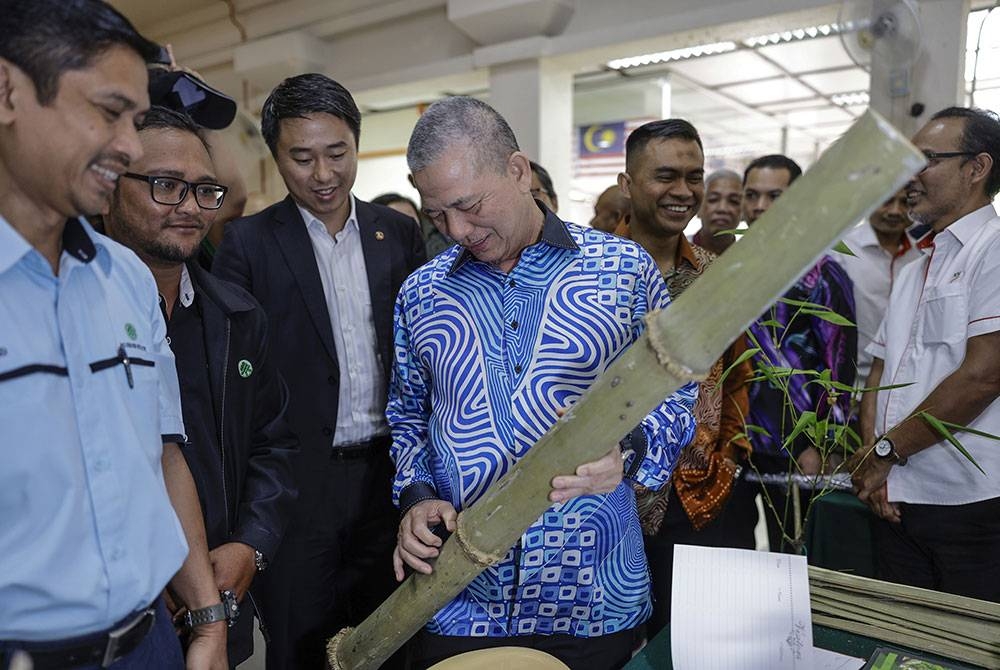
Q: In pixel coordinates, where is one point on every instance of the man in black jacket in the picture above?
(326, 268)
(239, 448)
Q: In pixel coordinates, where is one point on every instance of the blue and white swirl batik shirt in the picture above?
(483, 362)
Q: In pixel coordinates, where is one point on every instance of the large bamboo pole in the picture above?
(680, 344)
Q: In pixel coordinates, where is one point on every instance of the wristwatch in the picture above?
(259, 560)
(886, 450)
(205, 615)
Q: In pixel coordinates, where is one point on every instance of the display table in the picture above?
(656, 654)
(839, 535)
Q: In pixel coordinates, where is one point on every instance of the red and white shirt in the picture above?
(937, 303)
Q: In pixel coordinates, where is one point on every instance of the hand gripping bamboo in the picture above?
(853, 177)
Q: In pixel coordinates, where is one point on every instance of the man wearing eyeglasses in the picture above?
(239, 447)
(938, 347)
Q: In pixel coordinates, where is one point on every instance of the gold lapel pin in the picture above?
(379, 235)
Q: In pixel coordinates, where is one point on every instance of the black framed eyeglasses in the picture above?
(172, 191)
(934, 156)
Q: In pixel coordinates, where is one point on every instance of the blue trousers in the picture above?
(160, 650)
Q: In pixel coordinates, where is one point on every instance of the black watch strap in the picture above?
(205, 615)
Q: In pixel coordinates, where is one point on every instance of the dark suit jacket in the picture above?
(270, 255)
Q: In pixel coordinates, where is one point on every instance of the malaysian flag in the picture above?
(600, 148)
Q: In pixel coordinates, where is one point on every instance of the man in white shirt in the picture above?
(881, 248)
(940, 339)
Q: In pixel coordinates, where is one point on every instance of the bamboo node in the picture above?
(673, 368)
(333, 647)
(483, 559)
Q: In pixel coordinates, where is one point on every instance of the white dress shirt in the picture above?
(872, 270)
(342, 270)
(938, 302)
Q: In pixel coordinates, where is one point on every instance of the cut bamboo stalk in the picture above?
(911, 594)
(957, 629)
(854, 176)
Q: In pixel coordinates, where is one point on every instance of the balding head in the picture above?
(466, 121)
(610, 208)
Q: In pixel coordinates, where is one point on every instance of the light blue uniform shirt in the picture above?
(87, 532)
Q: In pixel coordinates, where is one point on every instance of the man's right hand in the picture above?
(415, 542)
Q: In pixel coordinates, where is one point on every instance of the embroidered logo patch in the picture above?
(245, 368)
(130, 331)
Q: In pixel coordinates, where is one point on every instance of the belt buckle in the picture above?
(116, 636)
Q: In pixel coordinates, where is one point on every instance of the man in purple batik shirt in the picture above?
(790, 339)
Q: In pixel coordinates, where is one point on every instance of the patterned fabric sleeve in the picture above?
(669, 427)
(407, 412)
(840, 355)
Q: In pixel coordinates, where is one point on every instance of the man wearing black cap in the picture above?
(212, 110)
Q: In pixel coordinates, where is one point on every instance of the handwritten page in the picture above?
(735, 609)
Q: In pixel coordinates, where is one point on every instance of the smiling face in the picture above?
(891, 217)
(948, 188)
(491, 214)
(764, 186)
(317, 157)
(163, 234)
(65, 157)
(665, 185)
(721, 210)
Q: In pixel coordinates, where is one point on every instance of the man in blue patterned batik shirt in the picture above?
(493, 339)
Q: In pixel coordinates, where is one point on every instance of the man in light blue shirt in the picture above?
(89, 405)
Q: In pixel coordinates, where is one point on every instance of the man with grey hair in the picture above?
(720, 211)
(494, 338)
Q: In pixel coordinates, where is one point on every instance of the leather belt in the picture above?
(102, 648)
(365, 449)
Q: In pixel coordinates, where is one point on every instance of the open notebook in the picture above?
(735, 609)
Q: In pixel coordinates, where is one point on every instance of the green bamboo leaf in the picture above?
(805, 421)
(757, 429)
(842, 248)
(946, 434)
(802, 303)
(771, 323)
(966, 429)
(731, 231)
(869, 389)
(746, 355)
(831, 316)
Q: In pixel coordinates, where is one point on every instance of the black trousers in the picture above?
(950, 548)
(334, 570)
(677, 529)
(606, 652)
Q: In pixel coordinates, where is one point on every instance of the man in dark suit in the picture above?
(326, 267)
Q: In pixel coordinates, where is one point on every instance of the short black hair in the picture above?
(159, 117)
(45, 38)
(544, 179)
(980, 135)
(666, 129)
(304, 94)
(774, 162)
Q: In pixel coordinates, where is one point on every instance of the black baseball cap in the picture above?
(183, 92)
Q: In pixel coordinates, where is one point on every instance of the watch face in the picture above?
(883, 448)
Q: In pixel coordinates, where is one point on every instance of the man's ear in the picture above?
(6, 91)
(982, 166)
(624, 182)
(519, 167)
